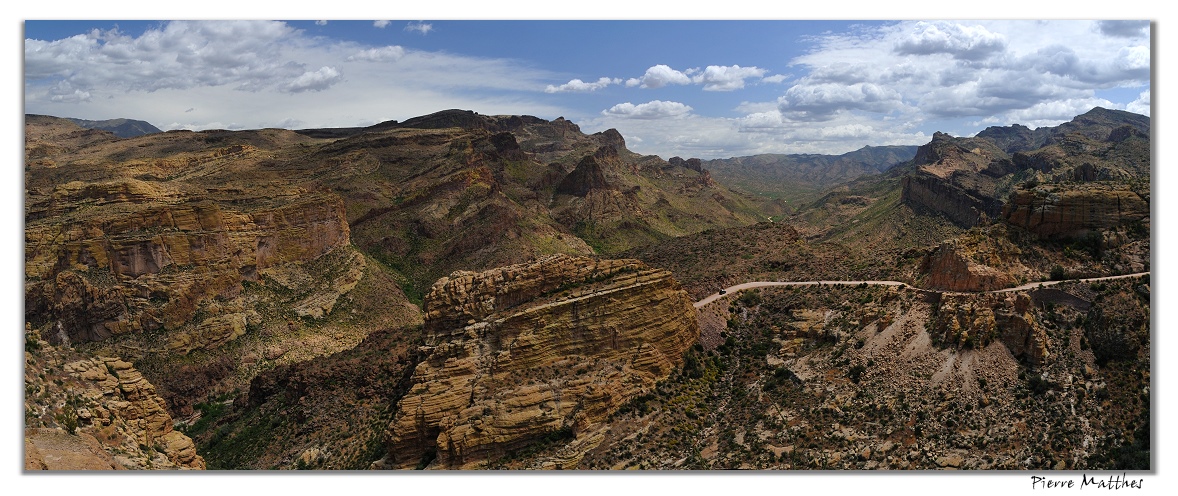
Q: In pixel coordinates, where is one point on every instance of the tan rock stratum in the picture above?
(96, 413)
(547, 348)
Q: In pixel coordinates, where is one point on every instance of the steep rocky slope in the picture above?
(544, 349)
(183, 254)
(960, 178)
(462, 191)
(96, 413)
(327, 413)
(102, 256)
(1099, 158)
(509, 360)
(869, 378)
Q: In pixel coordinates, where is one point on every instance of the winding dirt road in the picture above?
(761, 284)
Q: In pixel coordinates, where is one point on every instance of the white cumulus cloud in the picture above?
(420, 27)
(726, 78)
(380, 24)
(712, 77)
(656, 109)
(825, 98)
(1140, 105)
(314, 81)
(659, 76)
(576, 85)
(968, 42)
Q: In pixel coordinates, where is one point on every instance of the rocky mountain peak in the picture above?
(587, 176)
(611, 137)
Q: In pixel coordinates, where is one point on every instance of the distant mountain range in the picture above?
(123, 128)
(801, 178)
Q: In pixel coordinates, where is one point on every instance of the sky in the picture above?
(689, 88)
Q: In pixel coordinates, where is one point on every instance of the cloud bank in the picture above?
(872, 83)
(897, 83)
(254, 74)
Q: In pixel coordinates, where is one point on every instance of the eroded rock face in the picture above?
(954, 177)
(115, 258)
(974, 322)
(587, 177)
(940, 195)
(977, 262)
(547, 348)
(1072, 212)
(99, 413)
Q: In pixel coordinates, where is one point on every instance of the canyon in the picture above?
(462, 291)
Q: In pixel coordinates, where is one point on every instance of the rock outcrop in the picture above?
(546, 349)
(953, 178)
(949, 269)
(588, 176)
(936, 194)
(1054, 212)
(114, 258)
(96, 413)
(974, 322)
(983, 260)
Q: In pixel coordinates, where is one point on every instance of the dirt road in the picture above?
(761, 284)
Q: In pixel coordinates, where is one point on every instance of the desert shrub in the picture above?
(1115, 328)
(856, 372)
(750, 298)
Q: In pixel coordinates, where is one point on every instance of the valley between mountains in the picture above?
(464, 291)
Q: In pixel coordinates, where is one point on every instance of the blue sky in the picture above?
(707, 89)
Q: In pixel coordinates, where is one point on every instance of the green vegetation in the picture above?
(210, 413)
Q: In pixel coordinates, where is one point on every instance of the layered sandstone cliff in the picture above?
(937, 194)
(96, 413)
(546, 349)
(129, 256)
(1073, 211)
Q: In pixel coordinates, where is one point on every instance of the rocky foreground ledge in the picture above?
(532, 351)
(96, 413)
